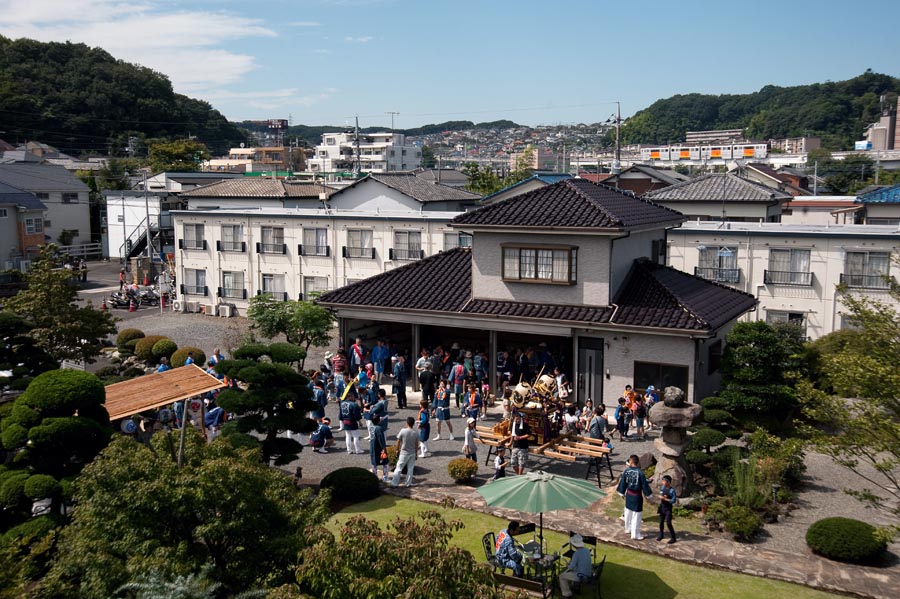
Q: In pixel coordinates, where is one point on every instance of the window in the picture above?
(273, 286)
(455, 240)
(272, 240)
(719, 264)
(232, 238)
(715, 357)
(34, 225)
(42, 195)
(315, 242)
(47, 224)
(359, 244)
(329, 141)
(798, 319)
(788, 267)
(193, 238)
(70, 198)
(660, 375)
(232, 285)
(868, 270)
(312, 286)
(407, 245)
(194, 282)
(543, 265)
(3, 213)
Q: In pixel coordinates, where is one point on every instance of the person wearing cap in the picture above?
(469, 448)
(398, 374)
(579, 568)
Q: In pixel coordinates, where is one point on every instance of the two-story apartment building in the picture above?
(794, 270)
(65, 196)
(21, 226)
(574, 266)
(725, 196)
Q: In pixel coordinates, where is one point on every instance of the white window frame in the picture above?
(232, 238)
(319, 238)
(407, 244)
(194, 281)
(34, 225)
(233, 284)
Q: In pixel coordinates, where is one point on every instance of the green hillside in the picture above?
(83, 101)
(837, 111)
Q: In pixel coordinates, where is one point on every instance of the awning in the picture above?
(158, 389)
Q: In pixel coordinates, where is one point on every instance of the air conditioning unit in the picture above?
(192, 307)
(178, 305)
(226, 311)
(209, 309)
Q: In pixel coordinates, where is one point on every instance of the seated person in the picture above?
(505, 549)
(579, 568)
(571, 419)
(322, 439)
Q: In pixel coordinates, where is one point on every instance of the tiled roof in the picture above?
(14, 196)
(258, 188)
(595, 177)
(768, 171)
(40, 177)
(884, 195)
(447, 176)
(660, 296)
(547, 179)
(652, 296)
(573, 203)
(667, 176)
(715, 187)
(421, 189)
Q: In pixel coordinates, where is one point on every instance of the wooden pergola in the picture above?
(158, 389)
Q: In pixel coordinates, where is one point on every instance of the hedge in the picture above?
(846, 540)
(706, 438)
(462, 469)
(126, 335)
(144, 347)
(164, 348)
(352, 484)
(181, 355)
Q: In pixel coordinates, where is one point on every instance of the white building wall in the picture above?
(124, 214)
(820, 301)
(373, 196)
(626, 249)
(713, 210)
(75, 216)
(592, 287)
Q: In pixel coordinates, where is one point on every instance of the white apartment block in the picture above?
(792, 269)
(226, 256)
(378, 153)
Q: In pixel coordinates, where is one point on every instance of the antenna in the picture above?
(393, 114)
(357, 168)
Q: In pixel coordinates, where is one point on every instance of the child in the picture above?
(322, 439)
(485, 395)
(424, 428)
(667, 499)
(621, 415)
(639, 409)
(469, 447)
(500, 463)
(441, 409)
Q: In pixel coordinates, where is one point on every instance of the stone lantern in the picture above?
(675, 416)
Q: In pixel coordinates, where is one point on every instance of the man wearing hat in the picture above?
(579, 569)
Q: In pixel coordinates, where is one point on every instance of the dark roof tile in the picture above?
(714, 187)
(571, 203)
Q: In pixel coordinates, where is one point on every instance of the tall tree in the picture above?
(19, 353)
(180, 155)
(859, 425)
(303, 323)
(138, 512)
(61, 327)
(276, 398)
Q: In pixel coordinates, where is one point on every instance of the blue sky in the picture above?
(324, 61)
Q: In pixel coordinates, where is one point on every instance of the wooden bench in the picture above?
(535, 588)
(572, 447)
(490, 439)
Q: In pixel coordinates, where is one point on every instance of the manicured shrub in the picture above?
(706, 438)
(462, 469)
(107, 371)
(733, 434)
(31, 529)
(62, 393)
(286, 353)
(181, 355)
(716, 417)
(144, 347)
(126, 335)
(742, 522)
(41, 486)
(12, 490)
(164, 348)
(393, 456)
(714, 403)
(697, 457)
(846, 540)
(14, 436)
(352, 484)
(130, 373)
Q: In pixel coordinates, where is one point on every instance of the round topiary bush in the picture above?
(126, 335)
(62, 393)
(697, 457)
(41, 486)
(706, 438)
(351, 484)
(462, 469)
(845, 540)
(742, 522)
(144, 347)
(107, 371)
(179, 357)
(714, 417)
(164, 348)
(714, 403)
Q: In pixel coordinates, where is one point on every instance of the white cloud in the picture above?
(304, 24)
(184, 45)
(365, 39)
(270, 100)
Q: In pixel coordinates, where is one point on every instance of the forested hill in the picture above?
(313, 133)
(836, 111)
(82, 100)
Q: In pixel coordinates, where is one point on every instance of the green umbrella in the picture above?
(537, 492)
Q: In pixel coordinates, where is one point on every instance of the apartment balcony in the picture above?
(314, 250)
(194, 290)
(406, 254)
(271, 248)
(191, 244)
(231, 246)
(787, 277)
(280, 296)
(867, 281)
(232, 293)
(357, 252)
(720, 275)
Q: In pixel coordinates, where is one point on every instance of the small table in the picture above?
(541, 567)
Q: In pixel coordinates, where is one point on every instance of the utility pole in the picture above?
(358, 167)
(393, 114)
(147, 210)
(617, 164)
(816, 178)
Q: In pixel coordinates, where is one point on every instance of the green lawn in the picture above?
(628, 574)
(614, 507)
